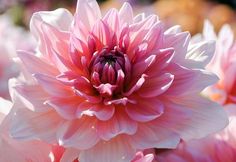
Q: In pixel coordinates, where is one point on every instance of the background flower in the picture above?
(11, 38)
(223, 64)
(109, 86)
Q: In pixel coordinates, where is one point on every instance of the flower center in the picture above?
(110, 59)
(107, 70)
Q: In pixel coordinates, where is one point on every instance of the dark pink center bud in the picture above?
(108, 70)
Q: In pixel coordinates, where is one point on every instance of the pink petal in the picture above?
(135, 86)
(139, 18)
(200, 54)
(154, 37)
(174, 30)
(143, 158)
(138, 32)
(187, 81)
(120, 123)
(59, 19)
(53, 86)
(80, 134)
(106, 89)
(68, 78)
(66, 107)
(155, 135)
(119, 101)
(208, 31)
(33, 97)
(230, 78)
(102, 112)
(5, 107)
(103, 35)
(180, 43)
(34, 125)
(141, 67)
(79, 50)
(12, 150)
(112, 20)
(117, 149)
(145, 111)
(226, 38)
(163, 59)
(197, 117)
(88, 12)
(126, 14)
(91, 98)
(157, 85)
(35, 64)
(70, 155)
(84, 85)
(63, 64)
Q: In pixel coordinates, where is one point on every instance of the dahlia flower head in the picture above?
(11, 38)
(223, 63)
(109, 86)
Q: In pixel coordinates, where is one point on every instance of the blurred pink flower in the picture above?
(223, 64)
(20, 151)
(11, 38)
(109, 86)
(4, 4)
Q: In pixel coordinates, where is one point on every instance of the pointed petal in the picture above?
(155, 135)
(180, 43)
(52, 86)
(32, 96)
(35, 64)
(80, 134)
(60, 18)
(200, 54)
(87, 12)
(70, 155)
(188, 81)
(157, 85)
(66, 107)
(126, 14)
(101, 111)
(112, 20)
(198, 116)
(120, 123)
(145, 111)
(34, 125)
(114, 150)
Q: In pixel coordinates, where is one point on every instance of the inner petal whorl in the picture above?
(104, 67)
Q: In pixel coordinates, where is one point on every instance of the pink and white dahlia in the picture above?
(110, 86)
(223, 64)
(21, 151)
(11, 39)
